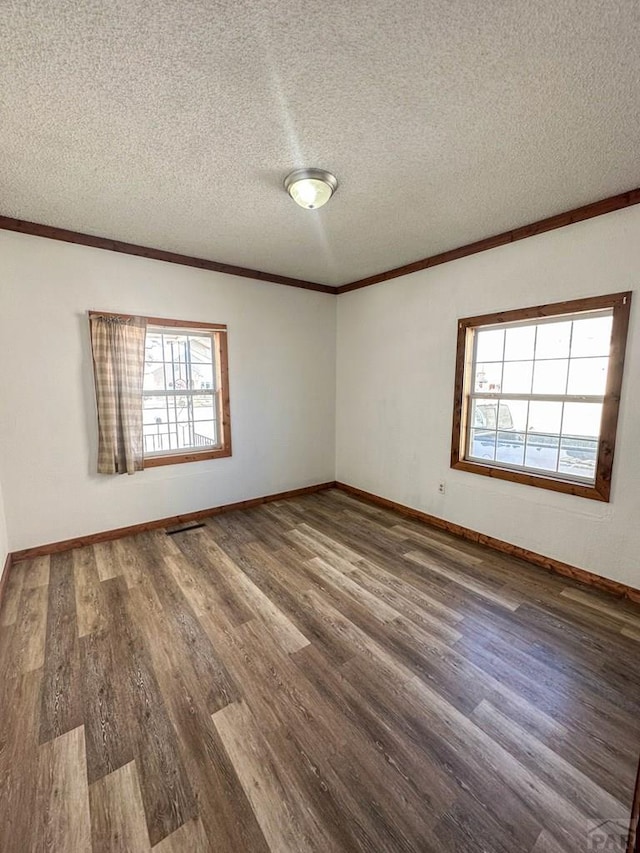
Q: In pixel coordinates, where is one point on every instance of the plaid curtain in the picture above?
(118, 368)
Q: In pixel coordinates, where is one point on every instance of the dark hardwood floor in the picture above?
(316, 674)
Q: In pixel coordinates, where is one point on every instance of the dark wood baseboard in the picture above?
(581, 575)
(5, 575)
(549, 563)
(171, 521)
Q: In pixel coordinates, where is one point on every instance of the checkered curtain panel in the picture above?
(118, 367)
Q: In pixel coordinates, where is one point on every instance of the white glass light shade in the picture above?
(310, 188)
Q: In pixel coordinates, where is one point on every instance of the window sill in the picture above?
(599, 491)
(192, 456)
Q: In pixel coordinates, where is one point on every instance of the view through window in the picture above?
(537, 394)
(183, 394)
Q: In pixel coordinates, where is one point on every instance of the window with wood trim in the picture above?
(185, 405)
(186, 413)
(537, 393)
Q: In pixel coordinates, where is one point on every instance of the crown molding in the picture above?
(7, 223)
(569, 217)
(559, 220)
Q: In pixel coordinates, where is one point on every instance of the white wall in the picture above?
(396, 356)
(396, 359)
(282, 386)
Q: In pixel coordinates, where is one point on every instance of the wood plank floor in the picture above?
(315, 674)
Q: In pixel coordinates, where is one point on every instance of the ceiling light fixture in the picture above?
(310, 188)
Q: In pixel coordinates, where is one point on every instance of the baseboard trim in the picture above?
(5, 575)
(549, 563)
(131, 530)
(581, 575)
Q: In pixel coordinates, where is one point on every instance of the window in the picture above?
(537, 392)
(162, 391)
(185, 405)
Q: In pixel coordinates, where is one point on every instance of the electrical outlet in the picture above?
(441, 488)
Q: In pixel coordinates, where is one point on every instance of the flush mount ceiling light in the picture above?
(310, 188)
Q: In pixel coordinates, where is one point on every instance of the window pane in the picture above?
(158, 434)
(180, 408)
(542, 451)
(544, 417)
(591, 336)
(512, 415)
(154, 376)
(582, 419)
(490, 345)
(205, 433)
(482, 444)
(185, 433)
(179, 422)
(175, 348)
(578, 457)
(484, 414)
(550, 377)
(200, 348)
(201, 376)
(153, 346)
(176, 376)
(587, 376)
(153, 408)
(203, 407)
(187, 362)
(552, 340)
(517, 377)
(156, 441)
(510, 447)
(519, 343)
(488, 377)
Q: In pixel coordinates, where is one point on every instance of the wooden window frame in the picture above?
(600, 490)
(219, 334)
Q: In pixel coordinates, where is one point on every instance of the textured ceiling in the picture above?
(173, 123)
